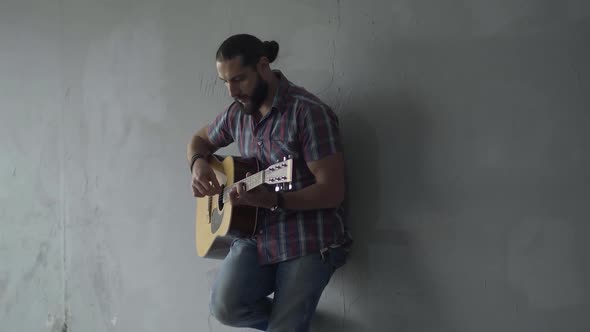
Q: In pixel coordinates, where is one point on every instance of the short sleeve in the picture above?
(319, 132)
(220, 129)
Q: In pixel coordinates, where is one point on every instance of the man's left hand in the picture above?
(258, 197)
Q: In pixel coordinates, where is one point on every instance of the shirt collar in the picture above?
(282, 91)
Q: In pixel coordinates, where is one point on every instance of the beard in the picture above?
(258, 96)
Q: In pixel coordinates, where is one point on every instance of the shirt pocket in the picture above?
(284, 149)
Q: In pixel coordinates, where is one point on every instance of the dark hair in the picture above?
(249, 48)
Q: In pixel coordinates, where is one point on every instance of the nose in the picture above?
(233, 89)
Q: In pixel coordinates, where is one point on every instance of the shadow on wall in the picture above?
(384, 144)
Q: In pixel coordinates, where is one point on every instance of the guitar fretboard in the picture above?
(251, 182)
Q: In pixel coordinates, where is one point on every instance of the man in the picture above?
(301, 237)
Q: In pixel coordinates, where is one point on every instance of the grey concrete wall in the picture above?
(465, 125)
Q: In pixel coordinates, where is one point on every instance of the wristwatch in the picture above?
(279, 204)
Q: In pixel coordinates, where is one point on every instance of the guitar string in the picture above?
(253, 180)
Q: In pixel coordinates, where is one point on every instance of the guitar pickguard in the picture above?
(216, 219)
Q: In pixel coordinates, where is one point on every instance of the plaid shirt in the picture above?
(301, 125)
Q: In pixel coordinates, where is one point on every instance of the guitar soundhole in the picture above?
(216, 216)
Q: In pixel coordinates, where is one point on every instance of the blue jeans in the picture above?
(240, 295)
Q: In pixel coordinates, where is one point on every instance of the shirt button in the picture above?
(259, 143)
(260, 232)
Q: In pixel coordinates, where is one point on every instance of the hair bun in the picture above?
(271, 50)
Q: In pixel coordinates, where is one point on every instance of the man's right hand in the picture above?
(204, 182)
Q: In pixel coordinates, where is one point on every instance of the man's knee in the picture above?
(223, 310)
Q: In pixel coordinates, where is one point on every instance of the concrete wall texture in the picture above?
(466, 129)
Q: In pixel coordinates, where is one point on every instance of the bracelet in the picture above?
(194, 159)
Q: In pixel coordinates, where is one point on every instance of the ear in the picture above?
(263, 64)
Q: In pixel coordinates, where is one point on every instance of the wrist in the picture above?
(195, 159)
(277, 201)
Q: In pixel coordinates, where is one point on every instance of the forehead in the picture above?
(227, 69)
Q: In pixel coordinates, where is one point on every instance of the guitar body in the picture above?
(218, 223)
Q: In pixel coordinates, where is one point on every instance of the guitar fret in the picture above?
(251, 182)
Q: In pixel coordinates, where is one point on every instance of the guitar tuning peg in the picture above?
(277, 188)
(290, 186)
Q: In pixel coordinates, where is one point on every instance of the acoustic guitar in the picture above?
(218, 223)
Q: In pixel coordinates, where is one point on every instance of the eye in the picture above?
(238, 78)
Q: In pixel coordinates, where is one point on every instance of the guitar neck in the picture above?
(251, 182)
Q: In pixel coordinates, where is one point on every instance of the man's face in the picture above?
(244, 84)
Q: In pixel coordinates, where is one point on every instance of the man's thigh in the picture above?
(299, 286)
(241, 280)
